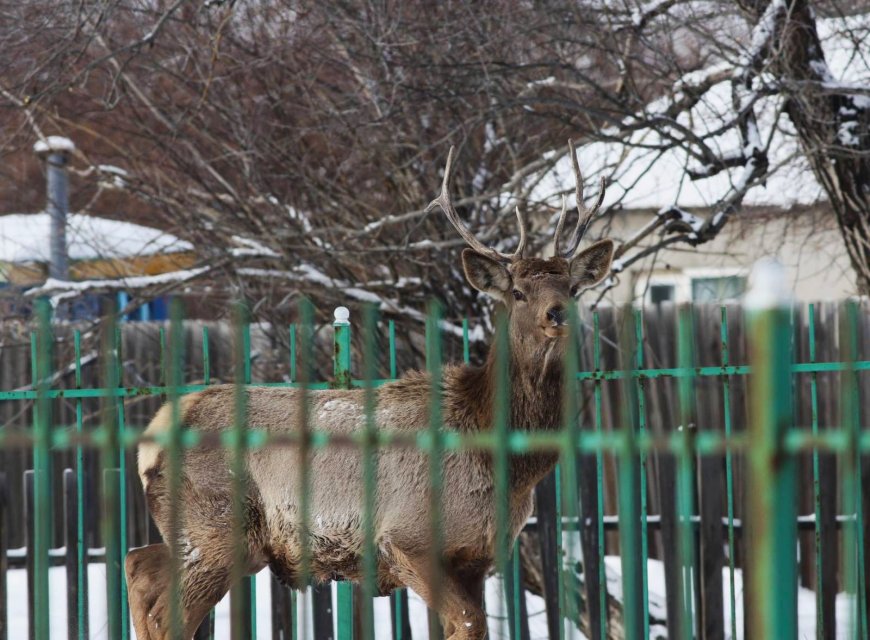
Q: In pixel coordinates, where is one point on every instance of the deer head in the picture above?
(536, 292)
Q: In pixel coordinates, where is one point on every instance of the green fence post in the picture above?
(392, 334)
(242, 616)
(640, 397)
(500, 428)
(772, 507)
(400, 596)
(729, 469)
(173, 359)
(304, 340)
(123, 539)
(341, 370)
(369, 452)
(466, 352)
(822, 622)
(42, 473)
(436, 453)
(853, 543)
(685, 479)
(570, 606)
(560, 539)
(206, 358)
(206, 380)
(108, 437)
(629, 486)
(599, 476)
(82, 591)
(293, 353)
(251, 581)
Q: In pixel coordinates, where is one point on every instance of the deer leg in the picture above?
(463, 615)
(460, 610)
(471, 583)
(448, 627)
(148, 581)
(202, 590)
(149, 586)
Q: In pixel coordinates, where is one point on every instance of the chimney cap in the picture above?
(54, 144)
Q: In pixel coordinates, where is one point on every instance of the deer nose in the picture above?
(556, 315)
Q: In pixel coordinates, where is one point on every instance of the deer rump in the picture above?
(273, 527)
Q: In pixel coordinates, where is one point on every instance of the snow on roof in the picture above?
(641, 178)
(54, 143)
(25, 238)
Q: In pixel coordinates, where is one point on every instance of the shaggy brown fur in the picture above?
(532, 291)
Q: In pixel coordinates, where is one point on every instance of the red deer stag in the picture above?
(535, 293)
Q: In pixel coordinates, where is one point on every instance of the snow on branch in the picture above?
(734, 158)
(680, 220)
(60, 290)
(763, 36)
(860, 93)
(678, 225)
(648, 11)
(306, 274)
(251, 249)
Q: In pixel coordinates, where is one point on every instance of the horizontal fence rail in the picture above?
(711, 477)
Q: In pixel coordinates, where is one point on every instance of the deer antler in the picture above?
(443, 201)
(584, 215)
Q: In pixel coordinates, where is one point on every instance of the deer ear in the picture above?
(591, 265)
(485, 274)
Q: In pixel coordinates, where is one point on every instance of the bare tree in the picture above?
(831, 118)
(296, 145)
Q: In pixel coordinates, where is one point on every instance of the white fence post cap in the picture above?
(768, 286)
(341, 315)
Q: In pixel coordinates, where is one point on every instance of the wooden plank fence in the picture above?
(719, 481)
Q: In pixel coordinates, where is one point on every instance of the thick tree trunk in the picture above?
(833, 125)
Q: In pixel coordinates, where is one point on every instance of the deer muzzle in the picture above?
(556, 322)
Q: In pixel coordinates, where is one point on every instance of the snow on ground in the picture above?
(25, 238)
(18, 621)
(495, 604)
(806, 605)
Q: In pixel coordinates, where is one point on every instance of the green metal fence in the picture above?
(771, 444)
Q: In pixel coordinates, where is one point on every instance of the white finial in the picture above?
(768, 288)
(342, 315)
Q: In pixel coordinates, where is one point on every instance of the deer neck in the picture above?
(535, 393)
(535, 390)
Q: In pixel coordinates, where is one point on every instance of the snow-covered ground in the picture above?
(496, 609)
(806, 605)
(18, 621)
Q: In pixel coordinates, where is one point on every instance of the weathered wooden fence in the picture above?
(715, 364)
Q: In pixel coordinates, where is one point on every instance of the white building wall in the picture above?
(807, 243)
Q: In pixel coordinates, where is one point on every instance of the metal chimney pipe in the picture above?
(57, 150)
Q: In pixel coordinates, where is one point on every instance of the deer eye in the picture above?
(574, 290)
(518, 295)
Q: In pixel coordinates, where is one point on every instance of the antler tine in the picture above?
(584, 215)
(521, 247)
(444, 201)
(559, 225)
